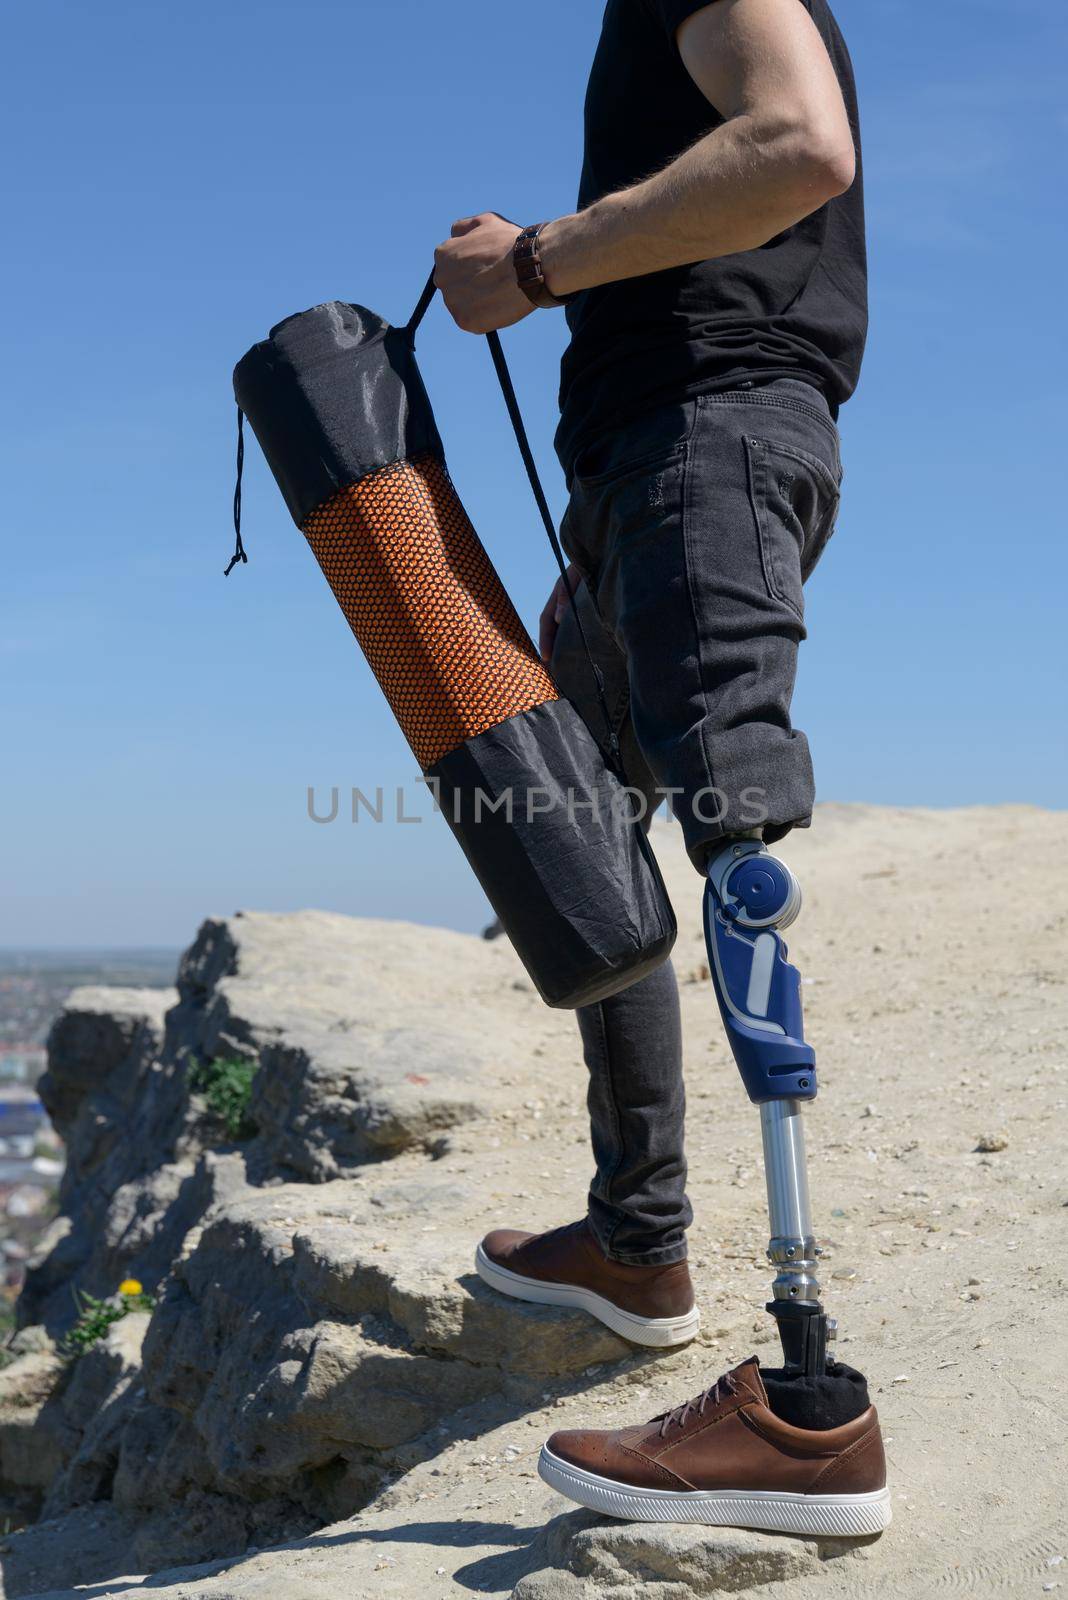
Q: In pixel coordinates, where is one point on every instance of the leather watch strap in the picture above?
(526, 258)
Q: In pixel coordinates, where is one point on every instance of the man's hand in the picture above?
(475, 274)
(556, 608)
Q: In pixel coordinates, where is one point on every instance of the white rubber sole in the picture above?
(837, 1515)
(657, 1332)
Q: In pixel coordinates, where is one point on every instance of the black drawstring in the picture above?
(239, 549)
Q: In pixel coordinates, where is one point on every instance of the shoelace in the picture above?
(719, 1390)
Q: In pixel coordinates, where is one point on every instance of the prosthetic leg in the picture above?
(750, 898)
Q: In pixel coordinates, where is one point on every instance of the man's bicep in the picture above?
(747, 54)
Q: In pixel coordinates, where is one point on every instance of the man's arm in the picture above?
(784, 149)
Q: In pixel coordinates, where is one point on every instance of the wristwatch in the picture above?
(526, 259)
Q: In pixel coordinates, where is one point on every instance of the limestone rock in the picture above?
(294, 1348)
(102, 1389)
(99, 1033)
(429, 1289)
(32, 1441)
(121, 1112)
(85, 1545)
(344, 1017)
(343, 1020)
(270, 1379)
(61, 1420)
(586, 1557)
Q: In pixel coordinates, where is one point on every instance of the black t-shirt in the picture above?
(796, 307)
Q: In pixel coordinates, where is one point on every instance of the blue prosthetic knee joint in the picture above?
(749, 897)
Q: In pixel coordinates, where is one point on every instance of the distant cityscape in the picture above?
(34, 986)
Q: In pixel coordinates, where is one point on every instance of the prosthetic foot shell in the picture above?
(335, 399)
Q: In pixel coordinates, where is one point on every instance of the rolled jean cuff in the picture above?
(658, 1256)
(666, 1257)
(762, 781)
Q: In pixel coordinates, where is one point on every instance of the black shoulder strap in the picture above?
(504, 378)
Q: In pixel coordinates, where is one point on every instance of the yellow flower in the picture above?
(130, 1286)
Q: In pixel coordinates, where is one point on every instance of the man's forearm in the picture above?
(735, 189)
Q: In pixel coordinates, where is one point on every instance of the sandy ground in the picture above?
(933, 946)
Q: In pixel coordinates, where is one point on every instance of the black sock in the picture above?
(836, 1396)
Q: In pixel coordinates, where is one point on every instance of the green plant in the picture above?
(95, 1316)
(226, 1085)
(7, 1328)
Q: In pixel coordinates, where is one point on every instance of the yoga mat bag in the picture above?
(336, 401)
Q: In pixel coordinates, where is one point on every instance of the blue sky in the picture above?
(179, 178)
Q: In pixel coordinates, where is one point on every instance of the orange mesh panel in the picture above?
(430, 613)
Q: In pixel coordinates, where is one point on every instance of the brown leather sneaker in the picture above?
(726, 1459)
(567, 1267)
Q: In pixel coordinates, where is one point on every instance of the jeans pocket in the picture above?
(636, 447)
(794, 497)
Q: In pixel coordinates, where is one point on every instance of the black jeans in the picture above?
(695, 528)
